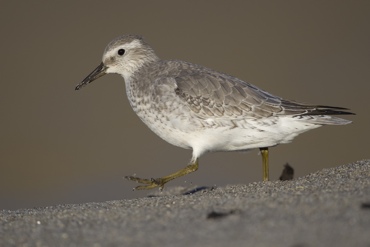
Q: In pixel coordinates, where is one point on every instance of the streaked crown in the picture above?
(126, 54)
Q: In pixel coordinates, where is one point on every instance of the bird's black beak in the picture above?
(98, 72)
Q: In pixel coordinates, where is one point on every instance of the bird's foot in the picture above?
(160, 182)
(147, 183)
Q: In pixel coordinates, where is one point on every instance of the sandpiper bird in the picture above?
(197, 108)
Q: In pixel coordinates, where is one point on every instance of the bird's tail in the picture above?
(323, 115)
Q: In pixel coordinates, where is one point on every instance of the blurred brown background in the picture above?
(59, 145)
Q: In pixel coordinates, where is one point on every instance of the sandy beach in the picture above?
(328, 208)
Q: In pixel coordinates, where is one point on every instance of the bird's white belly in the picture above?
(211, 135)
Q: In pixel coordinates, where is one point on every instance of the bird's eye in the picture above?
(121, 52)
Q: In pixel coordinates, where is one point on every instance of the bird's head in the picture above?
(124, 55)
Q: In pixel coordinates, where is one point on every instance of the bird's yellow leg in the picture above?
(265, 163)
(160, 182)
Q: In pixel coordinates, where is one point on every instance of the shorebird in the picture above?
(198, 108)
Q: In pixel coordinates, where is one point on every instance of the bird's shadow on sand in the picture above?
(181, 191)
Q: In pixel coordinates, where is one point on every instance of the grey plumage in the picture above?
(195, 107)
(208, 93)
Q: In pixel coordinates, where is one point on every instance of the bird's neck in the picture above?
(139, 65)
(137, 80)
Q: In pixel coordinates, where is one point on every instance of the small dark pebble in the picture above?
(288, 173)
(365, 205)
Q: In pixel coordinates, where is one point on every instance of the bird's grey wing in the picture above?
(213, 94)
(219, 95)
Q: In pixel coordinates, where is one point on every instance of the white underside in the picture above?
(246, 135)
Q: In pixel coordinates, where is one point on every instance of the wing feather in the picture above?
(220, 95)
(212, 94)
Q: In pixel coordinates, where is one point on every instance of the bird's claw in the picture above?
(147, 183)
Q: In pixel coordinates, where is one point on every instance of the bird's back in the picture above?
(208, 93)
